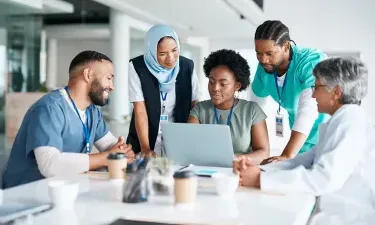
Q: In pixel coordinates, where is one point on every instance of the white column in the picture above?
(120, 46)
(43, 57)
(204, 45)
(51, 79)
(3, 62)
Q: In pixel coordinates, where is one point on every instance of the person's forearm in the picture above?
(106, 142)
(305, 159)
(192, 119)
(258, 155)
(51, 162)
(295, 143)
(141, 125)
(97, 160)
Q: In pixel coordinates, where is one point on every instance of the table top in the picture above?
(100, 202)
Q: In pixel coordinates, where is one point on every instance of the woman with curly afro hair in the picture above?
(228, 73)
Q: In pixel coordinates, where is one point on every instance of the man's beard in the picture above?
(275, 67)
(96, 94)
(272, 71)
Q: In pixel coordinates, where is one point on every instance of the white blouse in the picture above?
(136, 95)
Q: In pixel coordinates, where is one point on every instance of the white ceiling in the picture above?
(86, 32)
(19, 7)
(36, 4)
(209, 18)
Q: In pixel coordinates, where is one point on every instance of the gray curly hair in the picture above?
(349, 74)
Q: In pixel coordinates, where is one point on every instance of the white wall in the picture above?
(68, 48)
(240, 43)
(332, 26)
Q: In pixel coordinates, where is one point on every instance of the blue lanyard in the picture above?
(280, 95)
(229, 116)
(85, 128)
(164, 98)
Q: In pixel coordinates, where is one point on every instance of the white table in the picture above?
(99, 202)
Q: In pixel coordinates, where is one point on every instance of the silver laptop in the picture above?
(198, 144)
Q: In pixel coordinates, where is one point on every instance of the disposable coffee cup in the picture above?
(117, 163)
(185, 187)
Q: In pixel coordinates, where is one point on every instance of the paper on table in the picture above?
(247, 189)
(139, 222)
(205, 172)
(98, 175)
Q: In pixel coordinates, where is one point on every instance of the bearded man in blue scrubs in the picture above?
(58, 131)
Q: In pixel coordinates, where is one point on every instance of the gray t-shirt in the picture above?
(245, 114)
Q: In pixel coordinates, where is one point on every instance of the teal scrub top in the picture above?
(298, 78)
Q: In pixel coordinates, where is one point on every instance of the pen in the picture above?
(184, 167)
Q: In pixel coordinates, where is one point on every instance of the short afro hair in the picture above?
(234, 61)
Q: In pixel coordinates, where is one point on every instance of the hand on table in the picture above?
(274, 159)
(122, 147)
(148, 153)
(248, 172)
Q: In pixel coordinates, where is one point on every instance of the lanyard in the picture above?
(229, 116)
(164, 98)
(280, 95)
(85, 126)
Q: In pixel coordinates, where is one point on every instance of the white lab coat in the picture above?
(340, 169)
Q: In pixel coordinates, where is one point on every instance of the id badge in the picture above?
(279, 125)
(163, 118)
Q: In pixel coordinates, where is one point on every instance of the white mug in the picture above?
(226, 184)
(63, 193)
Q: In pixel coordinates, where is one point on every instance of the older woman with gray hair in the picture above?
(339, 169)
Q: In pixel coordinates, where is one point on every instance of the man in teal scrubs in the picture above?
(285, 73)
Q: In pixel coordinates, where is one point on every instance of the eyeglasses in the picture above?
(313, 87)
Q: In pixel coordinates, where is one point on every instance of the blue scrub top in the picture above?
(298, 78)
(50, 121)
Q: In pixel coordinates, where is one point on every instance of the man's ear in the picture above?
(87, 75)
(286, 46)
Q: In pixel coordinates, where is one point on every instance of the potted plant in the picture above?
(161, 176)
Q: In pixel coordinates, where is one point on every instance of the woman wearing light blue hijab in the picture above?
(163, 87)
